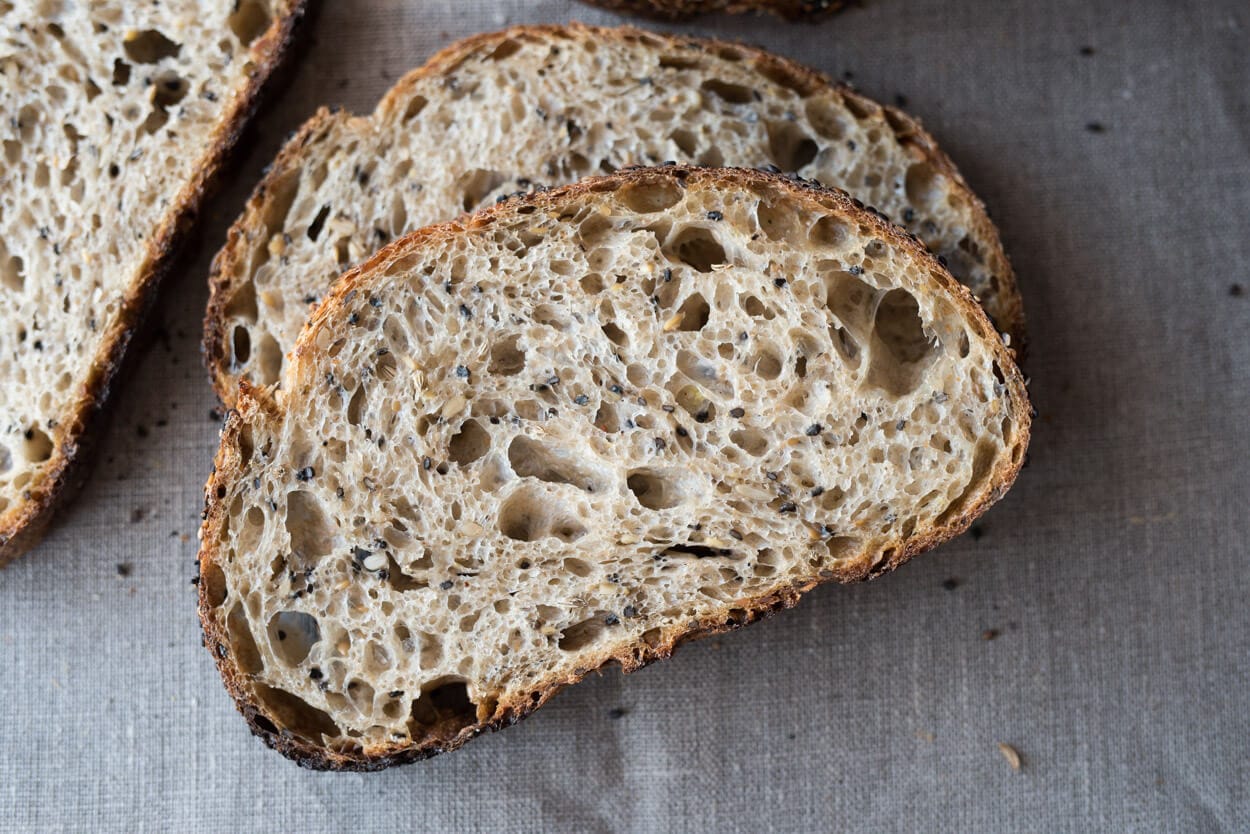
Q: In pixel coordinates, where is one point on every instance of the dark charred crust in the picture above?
(634, 656)
(75, 437)
(224, 280)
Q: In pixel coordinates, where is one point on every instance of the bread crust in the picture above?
(227, 275)
(630, 656)
(23, 526)
(792, 10)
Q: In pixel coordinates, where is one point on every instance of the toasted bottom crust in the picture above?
(888, 556)
(22, 527)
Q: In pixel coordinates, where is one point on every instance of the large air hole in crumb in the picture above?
(268, 363)
(726, 91)
(242, 644)
(826, 117)
(615, 335)
(528, 516)
(12, 272)
(292, 634)
(476, 185)
(756, 309)
(292, 714)
(361, 695)
(248, 20)
(583, 634)
(168, 89)
(695, 402)
(532, 459)
(777, 220)
(506, 357)
(693, 314)
(982, 464)
(923, 184)
(38, 446)
(469, 444)
(308, 526)
(655, 489)
(650, 197)
(840, 547)
(901, 351)
(443, 708)
(751, 441)
(319, 221)
(356, 406)
(149, 46)
(697, 247)
(577, 567)
(704, 373)
(829, 231)
(767, 363)
(849, 299)
(789, 146)
(685, 141)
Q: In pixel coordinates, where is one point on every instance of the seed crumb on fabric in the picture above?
(1011, 755)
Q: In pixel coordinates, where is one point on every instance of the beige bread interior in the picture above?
(576, 429)
(534, 106)
(110, 115)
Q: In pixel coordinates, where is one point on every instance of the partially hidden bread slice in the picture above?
(582, 427)
(531, 106)
(115, 118)
(684, 9)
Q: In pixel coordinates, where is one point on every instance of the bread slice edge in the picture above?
(254, 402)
(226, 276)
(23, 525)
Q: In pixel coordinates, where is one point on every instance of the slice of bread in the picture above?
(685, 9)
(116, 116)
(579, 428)
(503, 112)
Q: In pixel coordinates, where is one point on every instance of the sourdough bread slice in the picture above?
(581, 427)
(801, 10)
(503, 112)
(115, 117)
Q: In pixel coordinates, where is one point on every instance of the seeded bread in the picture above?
(507, 111)
(582, 427)
(684, 9)
(116, 116)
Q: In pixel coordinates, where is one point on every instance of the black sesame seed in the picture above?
(314, 673)
(737, 412)
(856, 270)
(581, 399)
(426, 463)
(787, 507)
(900, 425)
(466, 312)
(305, 474)
(611, 620)
(814, 429)
(909, 215)
(681, 432)
(900, 100)
(715, 215)
(668, 275)
(660, 444)
(353, 318)
(630, 611)
(616, 389)
(772, 476)
(779, 282)
(668, 409)
(553, 380)
(445, 584)
(462, 372)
